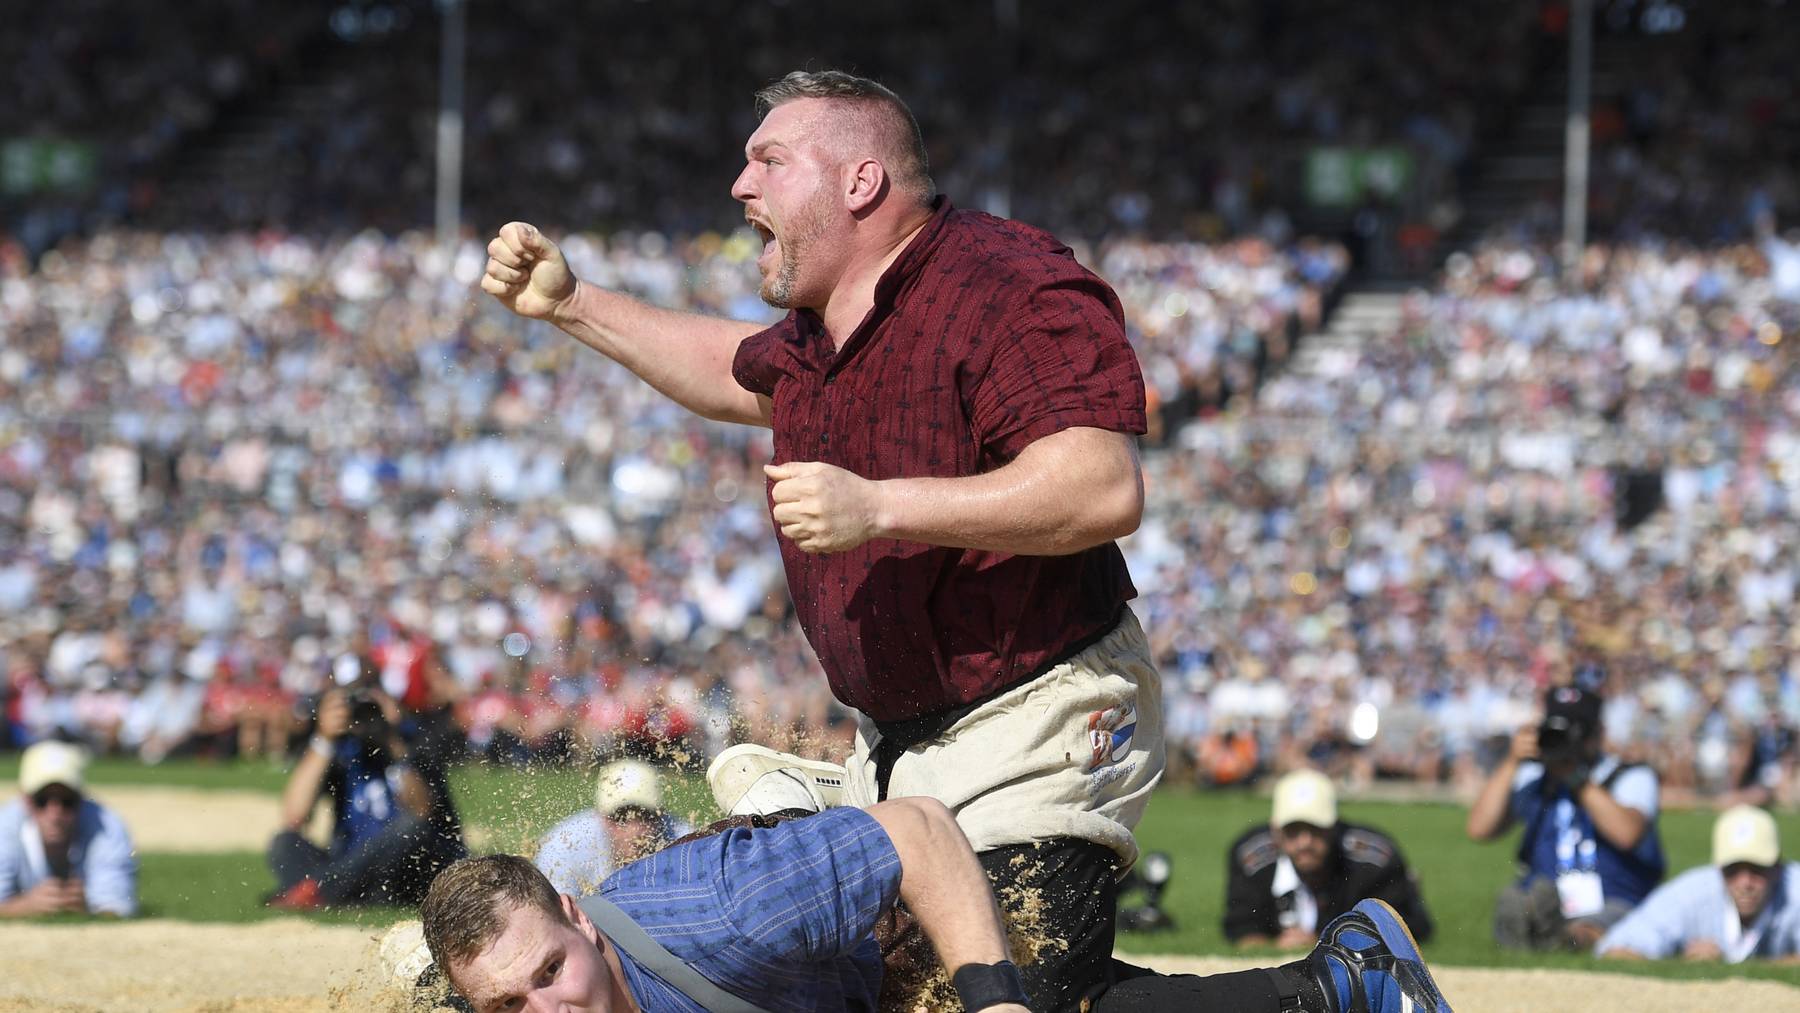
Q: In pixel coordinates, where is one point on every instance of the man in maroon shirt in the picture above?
(953, 402)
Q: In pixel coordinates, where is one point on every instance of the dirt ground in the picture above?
(190, 820)
(293, 966)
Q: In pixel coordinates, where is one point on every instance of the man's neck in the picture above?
(854, 294)
(622, 1001)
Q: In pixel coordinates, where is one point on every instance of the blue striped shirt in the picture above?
(780, 917)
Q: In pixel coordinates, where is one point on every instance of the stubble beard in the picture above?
(807, 227)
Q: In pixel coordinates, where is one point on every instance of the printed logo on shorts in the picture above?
(1109, 734)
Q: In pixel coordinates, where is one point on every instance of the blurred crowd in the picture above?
(1533, 479)
(1068, 115)
(1699, 133)
(231, 466)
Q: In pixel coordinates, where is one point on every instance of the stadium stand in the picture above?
(249, 421)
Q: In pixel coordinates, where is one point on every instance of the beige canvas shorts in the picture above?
(1072, 753)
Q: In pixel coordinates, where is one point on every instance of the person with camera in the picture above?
(393, 827)
(1590, 851)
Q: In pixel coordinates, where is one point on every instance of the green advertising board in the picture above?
(34, 164)
(1345, 177)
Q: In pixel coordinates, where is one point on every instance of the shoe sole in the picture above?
(1413, 971)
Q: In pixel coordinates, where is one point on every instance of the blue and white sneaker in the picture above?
(1367, 962)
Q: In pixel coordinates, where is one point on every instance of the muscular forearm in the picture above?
(685, 356)
(941, 882)
(1069, 491)
(1622, 826)
(1487, 817)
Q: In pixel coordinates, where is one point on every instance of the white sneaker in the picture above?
(753, 780)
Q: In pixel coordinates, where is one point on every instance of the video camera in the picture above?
(368, 722)
(1571, 720)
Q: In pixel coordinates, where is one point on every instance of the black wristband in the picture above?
(982, 985)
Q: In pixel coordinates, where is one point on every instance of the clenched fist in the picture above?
(526, 272)
(821, 507)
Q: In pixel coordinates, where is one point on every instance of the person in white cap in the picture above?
(1287, 880)
(1745, 905)
(626, 823)
(61, 851)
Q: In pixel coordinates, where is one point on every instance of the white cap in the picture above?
(625, 783)
(51, 763)
(1305, 796)
(1745, 833)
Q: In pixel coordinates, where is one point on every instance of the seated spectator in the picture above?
(1590, 850)
(390, 833)
(626, 823)
(1307, 867)
(1745, 904)
(59, 850)
(783, 916)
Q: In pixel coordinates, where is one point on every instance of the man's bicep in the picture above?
(1638, 789)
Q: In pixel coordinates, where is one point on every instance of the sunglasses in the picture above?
(50, 796)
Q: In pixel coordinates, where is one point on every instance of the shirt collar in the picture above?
(917, 252)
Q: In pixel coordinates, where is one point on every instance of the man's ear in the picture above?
(865, 183)
(578, 918)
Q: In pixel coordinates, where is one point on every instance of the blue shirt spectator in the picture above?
(1560, 837)
(59, 850)
(1746, 904)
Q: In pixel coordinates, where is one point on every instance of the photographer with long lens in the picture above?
(1590, 851)
(393, 826)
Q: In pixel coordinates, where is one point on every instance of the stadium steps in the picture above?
(257, 143)
(1362, 314)
(1521, 179)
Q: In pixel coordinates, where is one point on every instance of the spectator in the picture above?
(1286, 880)
(1590, 850)
(1745, 904)
(626, 823)
(59, 850)
(389, 835)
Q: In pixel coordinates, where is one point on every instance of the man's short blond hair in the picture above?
(882, 116)
(468, 903)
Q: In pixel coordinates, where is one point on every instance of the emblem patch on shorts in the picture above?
(1109, 734)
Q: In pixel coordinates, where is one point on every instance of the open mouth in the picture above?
(767, 234)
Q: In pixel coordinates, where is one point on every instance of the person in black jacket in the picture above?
(1287, 879)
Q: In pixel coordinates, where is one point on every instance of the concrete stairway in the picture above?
(1363, 313)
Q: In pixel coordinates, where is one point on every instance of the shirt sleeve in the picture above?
(12, 857)
(109, 869)
(1787, 920)
(1064, 362)
(759, 361)
(811, 888)
(1638, 789)
(1249, 910)
(1657, 928)
(575, 855)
